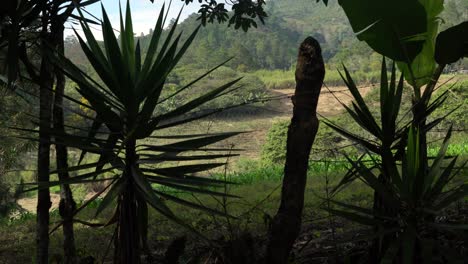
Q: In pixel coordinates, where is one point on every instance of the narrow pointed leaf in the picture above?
(110, 196)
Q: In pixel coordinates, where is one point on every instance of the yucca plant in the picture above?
(124, 100)
(407, 194)
(387, 136)
(415, 196)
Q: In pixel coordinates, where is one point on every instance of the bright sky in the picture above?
(144, 14)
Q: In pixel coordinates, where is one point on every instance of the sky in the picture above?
(144, 14)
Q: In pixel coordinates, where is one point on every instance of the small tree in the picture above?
(125, 104)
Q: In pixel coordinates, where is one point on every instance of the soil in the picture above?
(29, 204)
(330, 100)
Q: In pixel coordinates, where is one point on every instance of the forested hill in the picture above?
(274, 45)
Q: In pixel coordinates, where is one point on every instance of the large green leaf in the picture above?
(420, 70)
(451, 44)
(100, 65)
(395, 29)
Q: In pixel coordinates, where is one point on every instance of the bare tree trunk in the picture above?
(286, 225)
(43, 159)
(127, 248)
(67, 204)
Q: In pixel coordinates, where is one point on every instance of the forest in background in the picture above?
(273, 45)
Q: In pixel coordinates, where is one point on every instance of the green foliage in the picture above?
(411, 194)
(280, 79)
(276, 79)
(250, 172)
(406, 31)
(423, 65)
(13, 112)
(374, 22)
(415, 196)
(274, 149)
(244, 14)
(273, 45)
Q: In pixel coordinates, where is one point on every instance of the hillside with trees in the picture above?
(272, 46)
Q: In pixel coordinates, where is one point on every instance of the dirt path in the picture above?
(29, 204)
(329, 100)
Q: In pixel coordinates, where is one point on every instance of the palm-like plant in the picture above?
(407, 194)
(124, 100)
(415, 196)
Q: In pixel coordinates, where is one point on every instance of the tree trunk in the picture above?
(286, 225)
(43, 159)
(128, 239)
(381, 243)
(67, 204)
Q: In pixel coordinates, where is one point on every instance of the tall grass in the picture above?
(460, 149)
(284, 79)
(254, 171)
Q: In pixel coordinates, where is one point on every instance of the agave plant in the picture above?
(124, 100)
(407, 194)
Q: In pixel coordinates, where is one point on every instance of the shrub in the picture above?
(274, 149)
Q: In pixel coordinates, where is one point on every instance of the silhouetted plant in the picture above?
(124, 100)
(408, 196)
